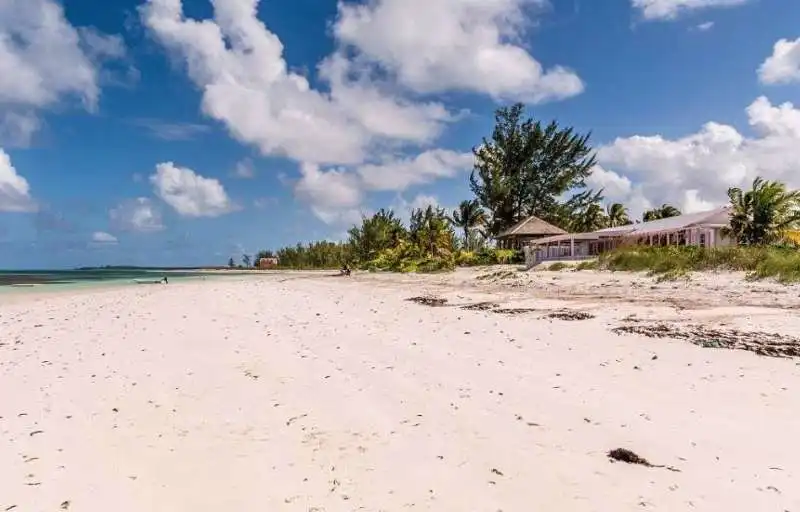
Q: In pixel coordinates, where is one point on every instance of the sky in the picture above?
(185, 132)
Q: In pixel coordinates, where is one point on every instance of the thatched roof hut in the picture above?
(526, 230)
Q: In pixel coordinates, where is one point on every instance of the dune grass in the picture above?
(779, 263)
(588, 265)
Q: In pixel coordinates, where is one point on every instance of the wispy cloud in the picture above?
(102, 239)
(165, 130)
(704, 27)
(244, 169)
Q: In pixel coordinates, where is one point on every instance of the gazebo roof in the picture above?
(532, 226)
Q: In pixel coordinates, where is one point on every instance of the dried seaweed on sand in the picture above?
(571, 315)
(762, 343)
(429, 300)
(629, 457)
(480, 306)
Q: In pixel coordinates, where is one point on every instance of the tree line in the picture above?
(523, 168)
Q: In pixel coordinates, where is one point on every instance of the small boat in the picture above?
(148, 281)
(24, 285)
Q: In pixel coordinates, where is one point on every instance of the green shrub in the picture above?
(588, 265)
(486, 256)
(467, 259)
(558, 266)
(490, 256)
(781, 263)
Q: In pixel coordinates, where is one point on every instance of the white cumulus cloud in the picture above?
(694, 172)
(783, 66)
(671, 9)
(44, 59)
(387, 56)
(399, 174)
(441, 45)
(403, 207)
(334, 196)
(238, 64)
(139, 215)
(188, 193)
(15, 195)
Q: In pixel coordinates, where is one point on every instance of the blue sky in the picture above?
(133, 133)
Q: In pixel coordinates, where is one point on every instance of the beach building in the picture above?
(265, 263)
(704, 229)
(526, 231)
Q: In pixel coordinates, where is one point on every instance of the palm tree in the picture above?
(468, 216)
(662, 212)
(617, 214)
(431, 231)
(762, 214)
(591, 218)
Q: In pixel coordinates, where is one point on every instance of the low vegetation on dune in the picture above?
(769, 261)
(384, 243)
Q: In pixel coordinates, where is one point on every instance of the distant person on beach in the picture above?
(166, 281)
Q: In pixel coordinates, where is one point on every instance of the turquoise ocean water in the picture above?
(78, 279)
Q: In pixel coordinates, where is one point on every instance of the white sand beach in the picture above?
(303, 392)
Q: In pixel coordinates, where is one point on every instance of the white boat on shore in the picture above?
(148, 281)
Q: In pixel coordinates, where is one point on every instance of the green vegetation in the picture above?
(383, 242)
(469, 216)
(764, 213)
(617, 215)
(528, 168)
(525, 169)
(662, 212)
(588, 265)
(666, 263)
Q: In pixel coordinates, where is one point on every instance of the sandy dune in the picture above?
(304, 392)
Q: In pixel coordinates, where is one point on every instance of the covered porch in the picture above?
(570, 246)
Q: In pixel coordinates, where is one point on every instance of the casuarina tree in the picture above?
(526, 168)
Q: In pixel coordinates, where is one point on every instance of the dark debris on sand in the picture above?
(570, 315)
(761, 343)
(629, 457)
(514, 311)
(481, 306)
(428, 300)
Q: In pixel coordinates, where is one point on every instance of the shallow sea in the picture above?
(39, 280)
